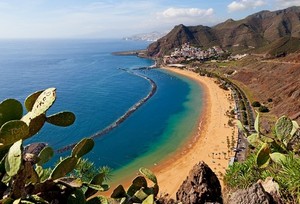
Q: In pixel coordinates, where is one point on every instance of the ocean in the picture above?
(91, 83)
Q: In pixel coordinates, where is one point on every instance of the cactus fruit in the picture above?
(63, 119)
(83, 147)
(13, 160)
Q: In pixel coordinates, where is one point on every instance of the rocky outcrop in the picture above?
(201, 186)
(272, 188)
(253, 195)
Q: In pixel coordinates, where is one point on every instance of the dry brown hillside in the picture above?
(274, 80)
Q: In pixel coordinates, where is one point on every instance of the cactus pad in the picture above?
(283, 127)
(13, 131)
(14, 159)
(119, 192)
(256, 123)
(138, 183)
(30, 100)
(77, 197)
(44, 102)
(97, 200)
(149, 200)
(45, 155)
(263, 157)
(64, 167)
(148, 174)
(63, 119)
(10, 109)
(83, 147)
(278, 157)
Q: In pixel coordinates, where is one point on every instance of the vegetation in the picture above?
(256, 104)
(263, 109)
(23, 179)
(274, 157)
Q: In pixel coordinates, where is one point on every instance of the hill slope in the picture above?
(262, 32)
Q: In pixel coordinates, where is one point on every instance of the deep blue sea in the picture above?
(90, 84)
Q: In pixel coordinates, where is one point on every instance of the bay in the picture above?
(90, 84)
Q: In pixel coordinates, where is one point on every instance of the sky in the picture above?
(119, 18)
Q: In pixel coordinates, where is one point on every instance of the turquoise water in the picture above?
(90, 83)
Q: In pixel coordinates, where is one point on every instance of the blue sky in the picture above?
(119, 18)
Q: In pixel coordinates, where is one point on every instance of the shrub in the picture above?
(270, 100)
(256, 104)
(263, 109)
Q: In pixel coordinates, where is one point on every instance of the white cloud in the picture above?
(187, 16)
(245, 4)
(187, 12)
(287, 3)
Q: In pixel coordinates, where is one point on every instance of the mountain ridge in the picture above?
(250, 34)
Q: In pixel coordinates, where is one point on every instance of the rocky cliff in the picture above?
(262, 32)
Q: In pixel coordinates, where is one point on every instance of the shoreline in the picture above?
(208, 137)
(207, 144)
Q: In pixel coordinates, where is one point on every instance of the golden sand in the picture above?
(209, 143)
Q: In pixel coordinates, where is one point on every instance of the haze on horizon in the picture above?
(119, 18)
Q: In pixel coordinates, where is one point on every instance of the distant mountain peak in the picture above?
(264, 32)
(152, 36)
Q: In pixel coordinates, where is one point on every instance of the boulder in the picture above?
(201, 186)
(252, 195)
(272, 188)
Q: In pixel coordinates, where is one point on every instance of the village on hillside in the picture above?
(188, 53)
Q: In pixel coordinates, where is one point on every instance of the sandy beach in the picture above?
(210, 140)
(208, 143)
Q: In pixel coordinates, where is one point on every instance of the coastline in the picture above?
(208, 138)
(208, 143)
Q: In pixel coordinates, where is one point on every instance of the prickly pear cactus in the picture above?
(83, 147)
(13, 160)
(139, 191)
(10, 109)
(63, 119)
(12, 131)
(44, 101)
(283, 128)
(272, 148)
